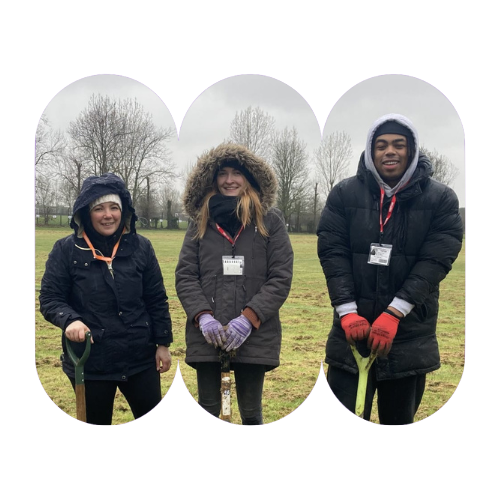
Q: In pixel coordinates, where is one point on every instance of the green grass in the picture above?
(306, 319)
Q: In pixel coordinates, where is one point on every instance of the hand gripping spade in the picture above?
(364, 365)
(81, 411)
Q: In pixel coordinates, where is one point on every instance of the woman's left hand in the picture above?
(237, 332)
(163, 359)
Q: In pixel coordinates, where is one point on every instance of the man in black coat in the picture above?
(386, 238)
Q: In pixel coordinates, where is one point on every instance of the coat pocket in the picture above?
(141, 347)
(209, 287)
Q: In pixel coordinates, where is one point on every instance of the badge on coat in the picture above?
(380, 254)
(233, 266)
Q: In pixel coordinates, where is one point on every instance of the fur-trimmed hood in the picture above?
(200, 180)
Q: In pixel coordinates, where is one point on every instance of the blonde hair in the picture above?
(248, 208)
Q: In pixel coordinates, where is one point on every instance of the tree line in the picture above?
(119, 136)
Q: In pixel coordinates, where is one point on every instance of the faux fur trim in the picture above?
(200, 180)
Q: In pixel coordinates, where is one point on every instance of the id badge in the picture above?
(380, 254)
(233, 266)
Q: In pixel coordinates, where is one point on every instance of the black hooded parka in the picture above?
(126, 310)
(425, 231)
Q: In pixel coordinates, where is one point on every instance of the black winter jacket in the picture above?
(128, 314)
(426, 233)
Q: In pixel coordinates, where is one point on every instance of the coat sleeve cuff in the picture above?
(197, 317)
(402, 306)
(350, 307)
(251, 315)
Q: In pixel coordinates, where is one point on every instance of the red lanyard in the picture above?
(389, 212)
(228, 238)
(108, 260)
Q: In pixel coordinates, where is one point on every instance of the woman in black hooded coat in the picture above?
(105, 279)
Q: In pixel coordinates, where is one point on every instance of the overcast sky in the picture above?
(207, 121)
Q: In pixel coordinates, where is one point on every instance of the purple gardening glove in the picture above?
(212, 330)
(237, 332)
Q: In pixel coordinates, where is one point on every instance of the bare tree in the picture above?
(143, 156)
(289, 160)
(71, 170)
(332, 160)
(306, 210)
(45, 195)
(444, 170)
(312, 228)
(253, 128)
(120, 137)
(96, 132)
(169, 201)
(49, 145)
(186, 171)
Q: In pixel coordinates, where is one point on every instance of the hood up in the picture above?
(94, 187)
(200, 180)
(368, 152)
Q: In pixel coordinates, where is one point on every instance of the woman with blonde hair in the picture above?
(233, 275)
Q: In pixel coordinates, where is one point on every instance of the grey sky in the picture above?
(438, 124)
(207, 121)
(71, 100)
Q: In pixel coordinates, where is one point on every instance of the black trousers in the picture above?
(249, 381)
(142, 392)
(397, 399)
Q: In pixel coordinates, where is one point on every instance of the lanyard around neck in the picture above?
(108, 260)
(389, 212)
(228, 237)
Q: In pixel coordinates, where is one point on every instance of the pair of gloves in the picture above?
(380, 335)
(237, 331)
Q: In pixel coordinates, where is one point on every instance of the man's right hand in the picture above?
(356, 327)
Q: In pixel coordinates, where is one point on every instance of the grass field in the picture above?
(306, 319)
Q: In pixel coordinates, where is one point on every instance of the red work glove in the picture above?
(356, 327)
(382, 334)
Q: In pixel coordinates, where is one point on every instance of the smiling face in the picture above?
(390, 157)
(106, 218)
(230, 181)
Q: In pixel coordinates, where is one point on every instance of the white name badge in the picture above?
(233, 265)
(380, 254)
